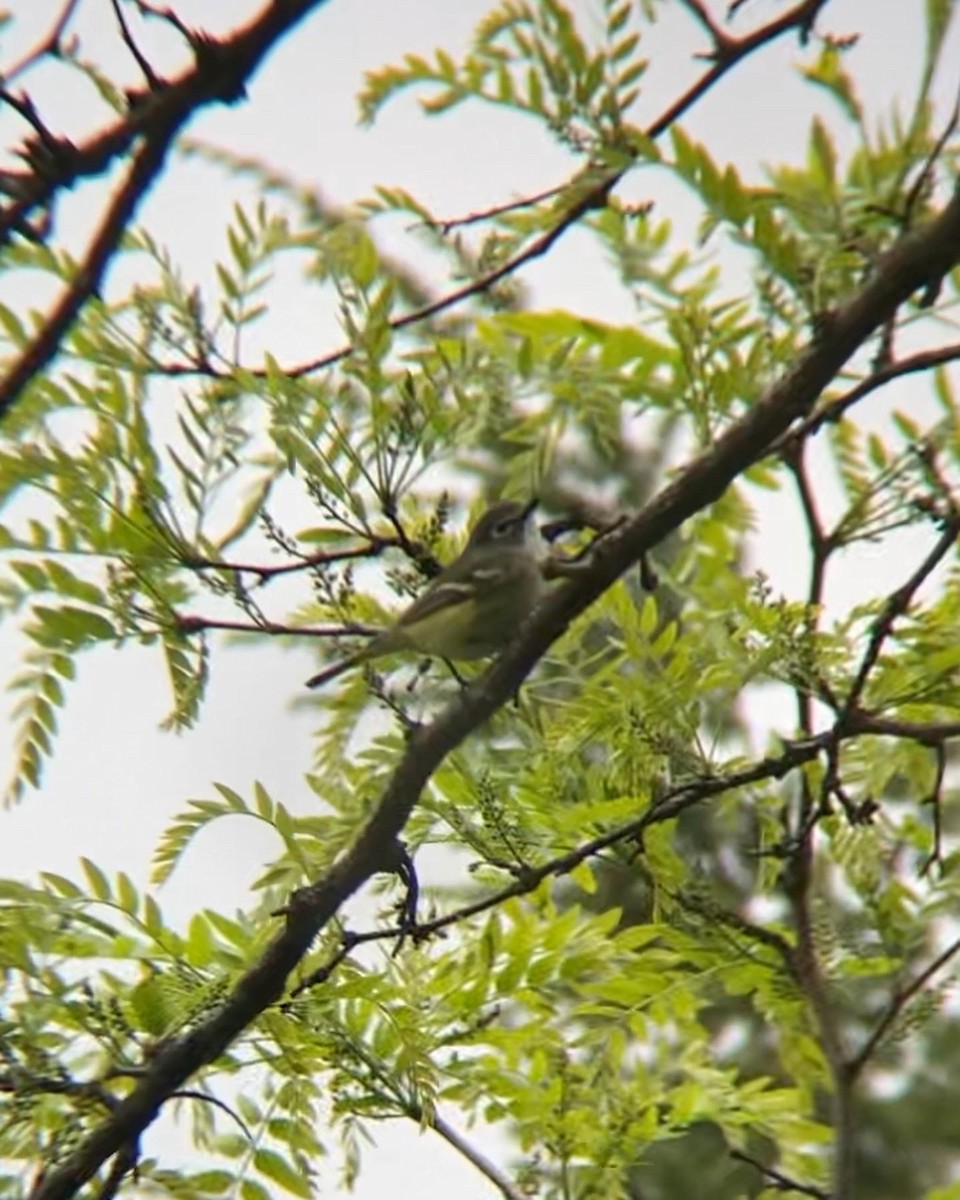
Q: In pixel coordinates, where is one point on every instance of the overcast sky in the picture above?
(116, 781)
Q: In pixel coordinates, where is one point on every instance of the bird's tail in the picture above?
(335, 669)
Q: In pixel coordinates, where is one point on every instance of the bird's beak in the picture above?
(551, 530)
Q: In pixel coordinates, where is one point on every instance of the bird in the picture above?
(473, 607)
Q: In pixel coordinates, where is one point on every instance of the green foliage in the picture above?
(533, 58)
(669, 942)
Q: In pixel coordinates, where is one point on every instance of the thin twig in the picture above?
(323, 972)
(800, 16)
(214, 1102)
(716, 914)
(926, 733)
(781, 1182)
(496, 210)
(18, 1079)
(170, 17)
(507, 1188)
(671, 805)
(921, 182)
(153, 82)
(528, 879)
(265, 573)
(188, 625)
(48, 44)
(897, 604)
(720, 38)
(831, 412)
(23, 105)
(220, 73)
(897, 1004)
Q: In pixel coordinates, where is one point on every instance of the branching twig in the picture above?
(219, 75)
(48, 44)
(720, 38)
(170, 17)
(148, 72)
(800, 16)
(898, 1002)
(18, 1079)
(24, 106)
(189, 625)
(527, 880)
(265, 573)
(897, 604)
(807, 960)
(830, 413)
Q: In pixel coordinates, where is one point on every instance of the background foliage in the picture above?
(693, 950)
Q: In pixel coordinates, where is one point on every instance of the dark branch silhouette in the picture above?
(219, 76)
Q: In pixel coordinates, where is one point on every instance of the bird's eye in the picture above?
(503, 528)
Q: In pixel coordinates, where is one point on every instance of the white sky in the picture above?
(116, 781)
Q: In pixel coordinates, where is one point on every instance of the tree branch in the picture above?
(148, 72)
(828, 414)
(801, 16)
(897, 604)
(188, 625)
(505, 1186)
(219, 75)
(265, 573)
(668, 807)
(146, 166)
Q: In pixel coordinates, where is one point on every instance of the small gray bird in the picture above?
(474, 606)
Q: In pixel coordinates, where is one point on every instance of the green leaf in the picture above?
(71, 626)
(211, 1183)
(252, 1189)
(96, 880)
(150, 1001)
(823, 154)
(277, 1169)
